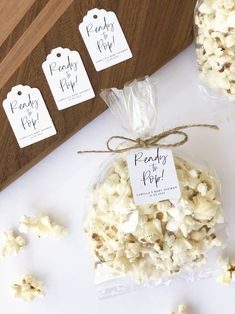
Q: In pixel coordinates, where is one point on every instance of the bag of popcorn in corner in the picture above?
(215, 45)
(153, 214)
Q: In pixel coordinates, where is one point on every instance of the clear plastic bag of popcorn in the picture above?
(215, 46)
(145, 245)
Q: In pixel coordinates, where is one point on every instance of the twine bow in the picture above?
(153, 141)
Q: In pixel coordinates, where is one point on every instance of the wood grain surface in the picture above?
(18, 27)
(156, 31)
(11, 12)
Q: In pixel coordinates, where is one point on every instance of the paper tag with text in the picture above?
(67, 78)
(28, 115)
(104, 38)
(153, 175)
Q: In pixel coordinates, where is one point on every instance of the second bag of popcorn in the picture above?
(215, 46)
(153, 215)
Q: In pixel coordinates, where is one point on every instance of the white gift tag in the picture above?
(153, 175)
(104, 38)
(67, 78)
(28, 115)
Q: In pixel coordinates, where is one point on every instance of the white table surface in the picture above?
(58, 186)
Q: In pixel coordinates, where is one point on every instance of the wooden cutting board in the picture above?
(156, 31)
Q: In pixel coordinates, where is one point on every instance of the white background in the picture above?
(58, 186)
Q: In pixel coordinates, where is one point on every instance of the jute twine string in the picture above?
(153, 141)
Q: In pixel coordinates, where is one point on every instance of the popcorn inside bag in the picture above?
(215, 44)
(150, 241)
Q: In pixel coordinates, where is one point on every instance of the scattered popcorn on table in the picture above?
(215, 40)
(12, 244)
(153, 240)
(229, 272)
(181, 309)
(29, 288)
(41, 227)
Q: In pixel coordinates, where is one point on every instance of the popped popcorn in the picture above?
(41, 226)
(228, 274)
(12, 244)
(215, 43)
(153, 240)
(181, 309)
(28, 288)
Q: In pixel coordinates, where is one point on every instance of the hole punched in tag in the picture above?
(95, 16)
(19, 93)
(58, 54)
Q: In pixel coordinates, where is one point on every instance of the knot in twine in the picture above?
(151, 142)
